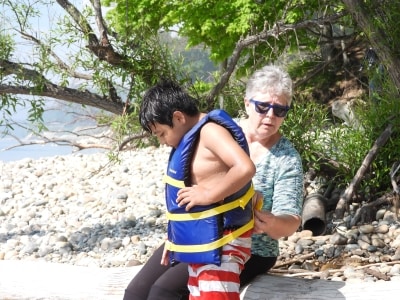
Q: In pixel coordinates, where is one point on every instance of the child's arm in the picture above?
(240, 168)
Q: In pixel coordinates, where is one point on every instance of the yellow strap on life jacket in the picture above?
(174, 182)
(213, 245)
(239, 202)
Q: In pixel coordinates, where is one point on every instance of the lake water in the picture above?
(59, 118)
(33, 151)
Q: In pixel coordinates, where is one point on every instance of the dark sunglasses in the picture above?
(279, 111)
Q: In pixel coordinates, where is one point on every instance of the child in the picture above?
(208, 190)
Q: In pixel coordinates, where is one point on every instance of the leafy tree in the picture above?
(75, 61)
(377, 19)
(106, 60)
(241, 35)
(88, 60)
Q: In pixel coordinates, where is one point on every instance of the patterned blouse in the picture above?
(279, 177)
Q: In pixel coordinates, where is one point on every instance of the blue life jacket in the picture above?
(197, 236)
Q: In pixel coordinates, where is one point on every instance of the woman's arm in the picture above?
(275, 226)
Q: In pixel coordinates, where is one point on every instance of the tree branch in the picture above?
(378, 38)
(348, 193)
(278, 30)
(59, 61)
(103, 48)
(66, 94)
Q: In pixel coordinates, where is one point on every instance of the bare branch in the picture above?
(79, 20)
(66, 94)
(364, 210)
(132, 138)
(379, 39)
(276, 31)
(59, 61)
(345, 198)
(100, 22)
(393, 170)
(79, 139)
(9, 68)
(102, 49)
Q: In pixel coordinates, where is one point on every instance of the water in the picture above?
(32, 151)
(36, 151)
(59, 119)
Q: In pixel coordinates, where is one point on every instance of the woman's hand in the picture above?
(263, 220)
(276, 226)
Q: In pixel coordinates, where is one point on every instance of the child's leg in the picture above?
(211, 282)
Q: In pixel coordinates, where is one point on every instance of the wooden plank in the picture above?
(42, 280)
(36, 280)
(282, 288)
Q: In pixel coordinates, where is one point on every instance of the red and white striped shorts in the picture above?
(212, 282)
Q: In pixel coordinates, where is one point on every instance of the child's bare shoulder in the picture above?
(215, 133)
(214, 127)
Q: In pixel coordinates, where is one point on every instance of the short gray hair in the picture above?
(270, 79)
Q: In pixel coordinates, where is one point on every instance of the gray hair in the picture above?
(270, 79)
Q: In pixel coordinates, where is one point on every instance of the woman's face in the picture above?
(266, 114)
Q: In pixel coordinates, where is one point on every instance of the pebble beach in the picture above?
(85, 210)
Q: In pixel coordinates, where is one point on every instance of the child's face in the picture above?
(167, 135)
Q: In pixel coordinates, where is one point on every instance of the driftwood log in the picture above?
(348, 193)
(36, 280)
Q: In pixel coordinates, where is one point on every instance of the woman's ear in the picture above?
(246, 105)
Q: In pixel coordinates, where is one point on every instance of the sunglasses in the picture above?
(279, 111)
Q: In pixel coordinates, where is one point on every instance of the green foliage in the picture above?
(219, 25)
(376, 117)
(143, 33)
(387, 14)
(6, 46)
(341, 148)
(305, 126)
(8, 103)
(8, 107)
(35, 113)
(232, 98)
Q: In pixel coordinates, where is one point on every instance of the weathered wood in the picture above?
(345, 198)
(54, 281)
(36, 280)
(282, 288)
(363, 211)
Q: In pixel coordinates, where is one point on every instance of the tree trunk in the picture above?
(348, 193)
(379, 39)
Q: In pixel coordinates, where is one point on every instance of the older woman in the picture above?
(279, 175)
(279, 178)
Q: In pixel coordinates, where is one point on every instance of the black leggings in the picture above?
(155, 281)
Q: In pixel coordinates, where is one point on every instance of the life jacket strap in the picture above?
(213, 245)
(174, 182)
(239, 202)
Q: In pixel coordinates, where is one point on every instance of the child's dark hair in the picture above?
(161, 101)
